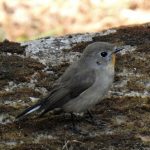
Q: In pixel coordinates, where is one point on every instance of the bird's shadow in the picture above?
(59, 122)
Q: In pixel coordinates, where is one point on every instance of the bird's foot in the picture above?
(77, 130)
(94, 121)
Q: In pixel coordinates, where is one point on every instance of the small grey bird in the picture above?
(83, 84)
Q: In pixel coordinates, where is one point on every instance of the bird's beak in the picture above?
(117, 49)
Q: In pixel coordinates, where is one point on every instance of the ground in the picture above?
(124, 113)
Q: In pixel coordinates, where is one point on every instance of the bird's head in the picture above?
(100, 54)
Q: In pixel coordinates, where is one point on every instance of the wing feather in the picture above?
(64, 91)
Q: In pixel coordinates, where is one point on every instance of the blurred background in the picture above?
(22, 20)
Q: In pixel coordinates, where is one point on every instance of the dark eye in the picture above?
(103, 54)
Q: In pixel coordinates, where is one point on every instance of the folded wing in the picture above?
(64, 91)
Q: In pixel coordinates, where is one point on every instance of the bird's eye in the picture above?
(103, 54)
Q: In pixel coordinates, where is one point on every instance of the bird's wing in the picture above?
(63, 92)
(70, 89)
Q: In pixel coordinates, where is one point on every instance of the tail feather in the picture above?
(28, 111)
(46, 104)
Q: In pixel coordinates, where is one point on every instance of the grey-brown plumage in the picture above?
(83, 84)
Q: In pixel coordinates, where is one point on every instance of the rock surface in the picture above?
(27, 71)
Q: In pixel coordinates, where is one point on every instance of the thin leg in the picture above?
(94, 121)
(73, 120)
(90, 115)
(91, 118)
(74, 128)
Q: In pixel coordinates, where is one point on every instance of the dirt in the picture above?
(11, 47)
(123, 121)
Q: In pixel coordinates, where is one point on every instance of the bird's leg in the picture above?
(90, 115)
(94, 121)
(74, 128)
(73, 120)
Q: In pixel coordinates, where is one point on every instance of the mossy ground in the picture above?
(126, 118)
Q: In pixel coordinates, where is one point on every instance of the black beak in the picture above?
(118, 49)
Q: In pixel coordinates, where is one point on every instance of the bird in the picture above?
(84, 83)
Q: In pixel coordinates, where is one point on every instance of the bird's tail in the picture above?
(46, 104)
(29, 111)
